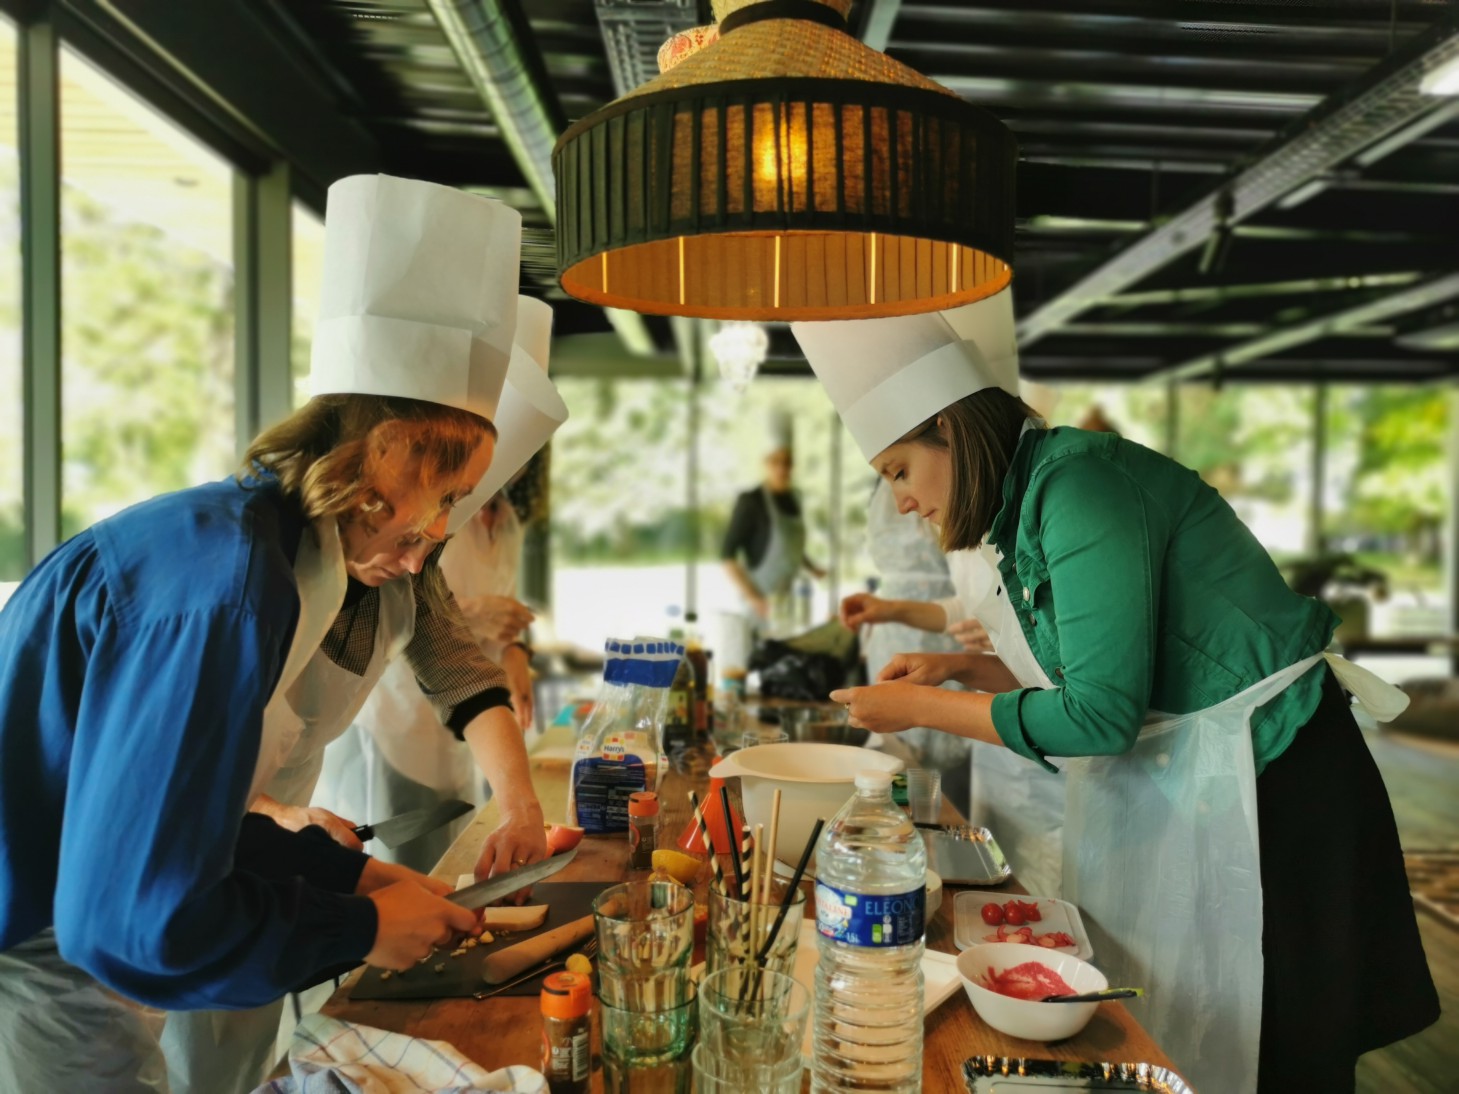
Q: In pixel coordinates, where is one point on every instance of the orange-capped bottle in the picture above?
(567, 1051)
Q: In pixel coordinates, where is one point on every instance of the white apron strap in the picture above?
(1374, 694)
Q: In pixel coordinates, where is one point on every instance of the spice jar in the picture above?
(567, 1053)
(643, 821)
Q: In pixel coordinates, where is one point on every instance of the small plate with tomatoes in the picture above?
(1030, 920)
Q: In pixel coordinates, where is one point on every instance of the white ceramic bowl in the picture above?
(814, 780)
(1024, 1018)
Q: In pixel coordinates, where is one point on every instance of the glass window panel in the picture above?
(308, 242)
(147, 302)
(621, 531)
(12, 406)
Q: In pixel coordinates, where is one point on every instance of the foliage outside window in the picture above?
(147, 302)
(307, 233)
(12, 407)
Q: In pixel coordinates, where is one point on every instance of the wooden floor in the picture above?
(1423, 784)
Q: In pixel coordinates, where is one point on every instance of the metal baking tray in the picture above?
(1002, 1074)
(970, 857)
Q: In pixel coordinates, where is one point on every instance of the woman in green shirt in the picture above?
(1139, 590)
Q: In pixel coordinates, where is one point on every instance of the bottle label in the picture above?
(885, 919)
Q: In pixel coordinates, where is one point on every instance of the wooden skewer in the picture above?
(770, 847)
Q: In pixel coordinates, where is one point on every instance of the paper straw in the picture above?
(700, 826)
(734, 842)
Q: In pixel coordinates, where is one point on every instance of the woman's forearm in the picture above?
(960, 713)
(922, 614)
(985, 672)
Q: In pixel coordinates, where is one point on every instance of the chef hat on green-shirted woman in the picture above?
(888, 376)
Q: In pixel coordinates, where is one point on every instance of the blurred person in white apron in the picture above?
(387, 328)
(1210, 853)
(397, 757)
(764, 547)
(163, 670)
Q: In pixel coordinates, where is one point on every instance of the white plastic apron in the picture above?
(61, 1030)
(1017, 800)
(223, 1052)
(1161, 857)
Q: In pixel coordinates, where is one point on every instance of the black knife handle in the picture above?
(364, 832)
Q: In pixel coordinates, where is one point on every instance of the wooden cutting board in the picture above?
(461, 977)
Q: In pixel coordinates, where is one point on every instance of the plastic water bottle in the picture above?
(871, 895)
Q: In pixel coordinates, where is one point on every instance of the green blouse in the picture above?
(1140, 589)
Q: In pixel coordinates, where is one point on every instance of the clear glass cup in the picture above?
(751, 1018)
(645, 940)
(715, 1075)
(651, 1031)
(924, 794)
(818, 723)
(738, 930)
(763, 735)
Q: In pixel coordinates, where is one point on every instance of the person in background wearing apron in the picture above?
(1217, 852)
(161, 669)
(397, 757)
(1020, 802)
(764, 545)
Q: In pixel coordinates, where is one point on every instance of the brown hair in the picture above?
(980, 432)
(326, 452)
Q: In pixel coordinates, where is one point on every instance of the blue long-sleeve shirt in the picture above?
(135, 663)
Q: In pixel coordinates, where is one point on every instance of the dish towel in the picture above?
(333, 1057)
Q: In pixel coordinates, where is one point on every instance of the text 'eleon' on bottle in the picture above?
(871, 895)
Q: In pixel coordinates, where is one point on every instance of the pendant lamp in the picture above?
(785, 172)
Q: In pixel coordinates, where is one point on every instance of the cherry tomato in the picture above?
(1012, 913)
(992, 914)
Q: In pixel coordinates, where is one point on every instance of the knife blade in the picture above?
(484, 892)
(407, 826)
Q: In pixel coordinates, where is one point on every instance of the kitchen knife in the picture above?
(484, 892)
(407, 826)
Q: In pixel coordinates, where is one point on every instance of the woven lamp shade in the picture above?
(785, 172)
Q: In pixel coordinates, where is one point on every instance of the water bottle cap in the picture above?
(873, 780)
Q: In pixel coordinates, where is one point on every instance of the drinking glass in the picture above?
(738, 929)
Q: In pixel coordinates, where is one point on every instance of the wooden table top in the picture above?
(508, 1029)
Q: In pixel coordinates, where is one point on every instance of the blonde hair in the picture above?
(327, 454)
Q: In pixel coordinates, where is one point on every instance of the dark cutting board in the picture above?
(461, 978)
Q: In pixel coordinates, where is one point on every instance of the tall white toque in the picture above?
(888, 376)
(419, 293)
(530, 412)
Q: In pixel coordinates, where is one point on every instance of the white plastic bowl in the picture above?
(1033, 1021)
(814, 780)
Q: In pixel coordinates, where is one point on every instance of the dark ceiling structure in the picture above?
(1207, 189)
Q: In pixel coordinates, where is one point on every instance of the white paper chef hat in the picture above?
(419, 293)
(888, 376)
(530, 412)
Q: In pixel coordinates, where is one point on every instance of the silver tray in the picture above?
(1000, 1074)
(966, 856)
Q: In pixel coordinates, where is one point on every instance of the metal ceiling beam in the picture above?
(1341, 126)
(493, 42)
(1275, 341)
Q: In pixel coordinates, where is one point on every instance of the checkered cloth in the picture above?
(333, 1057)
